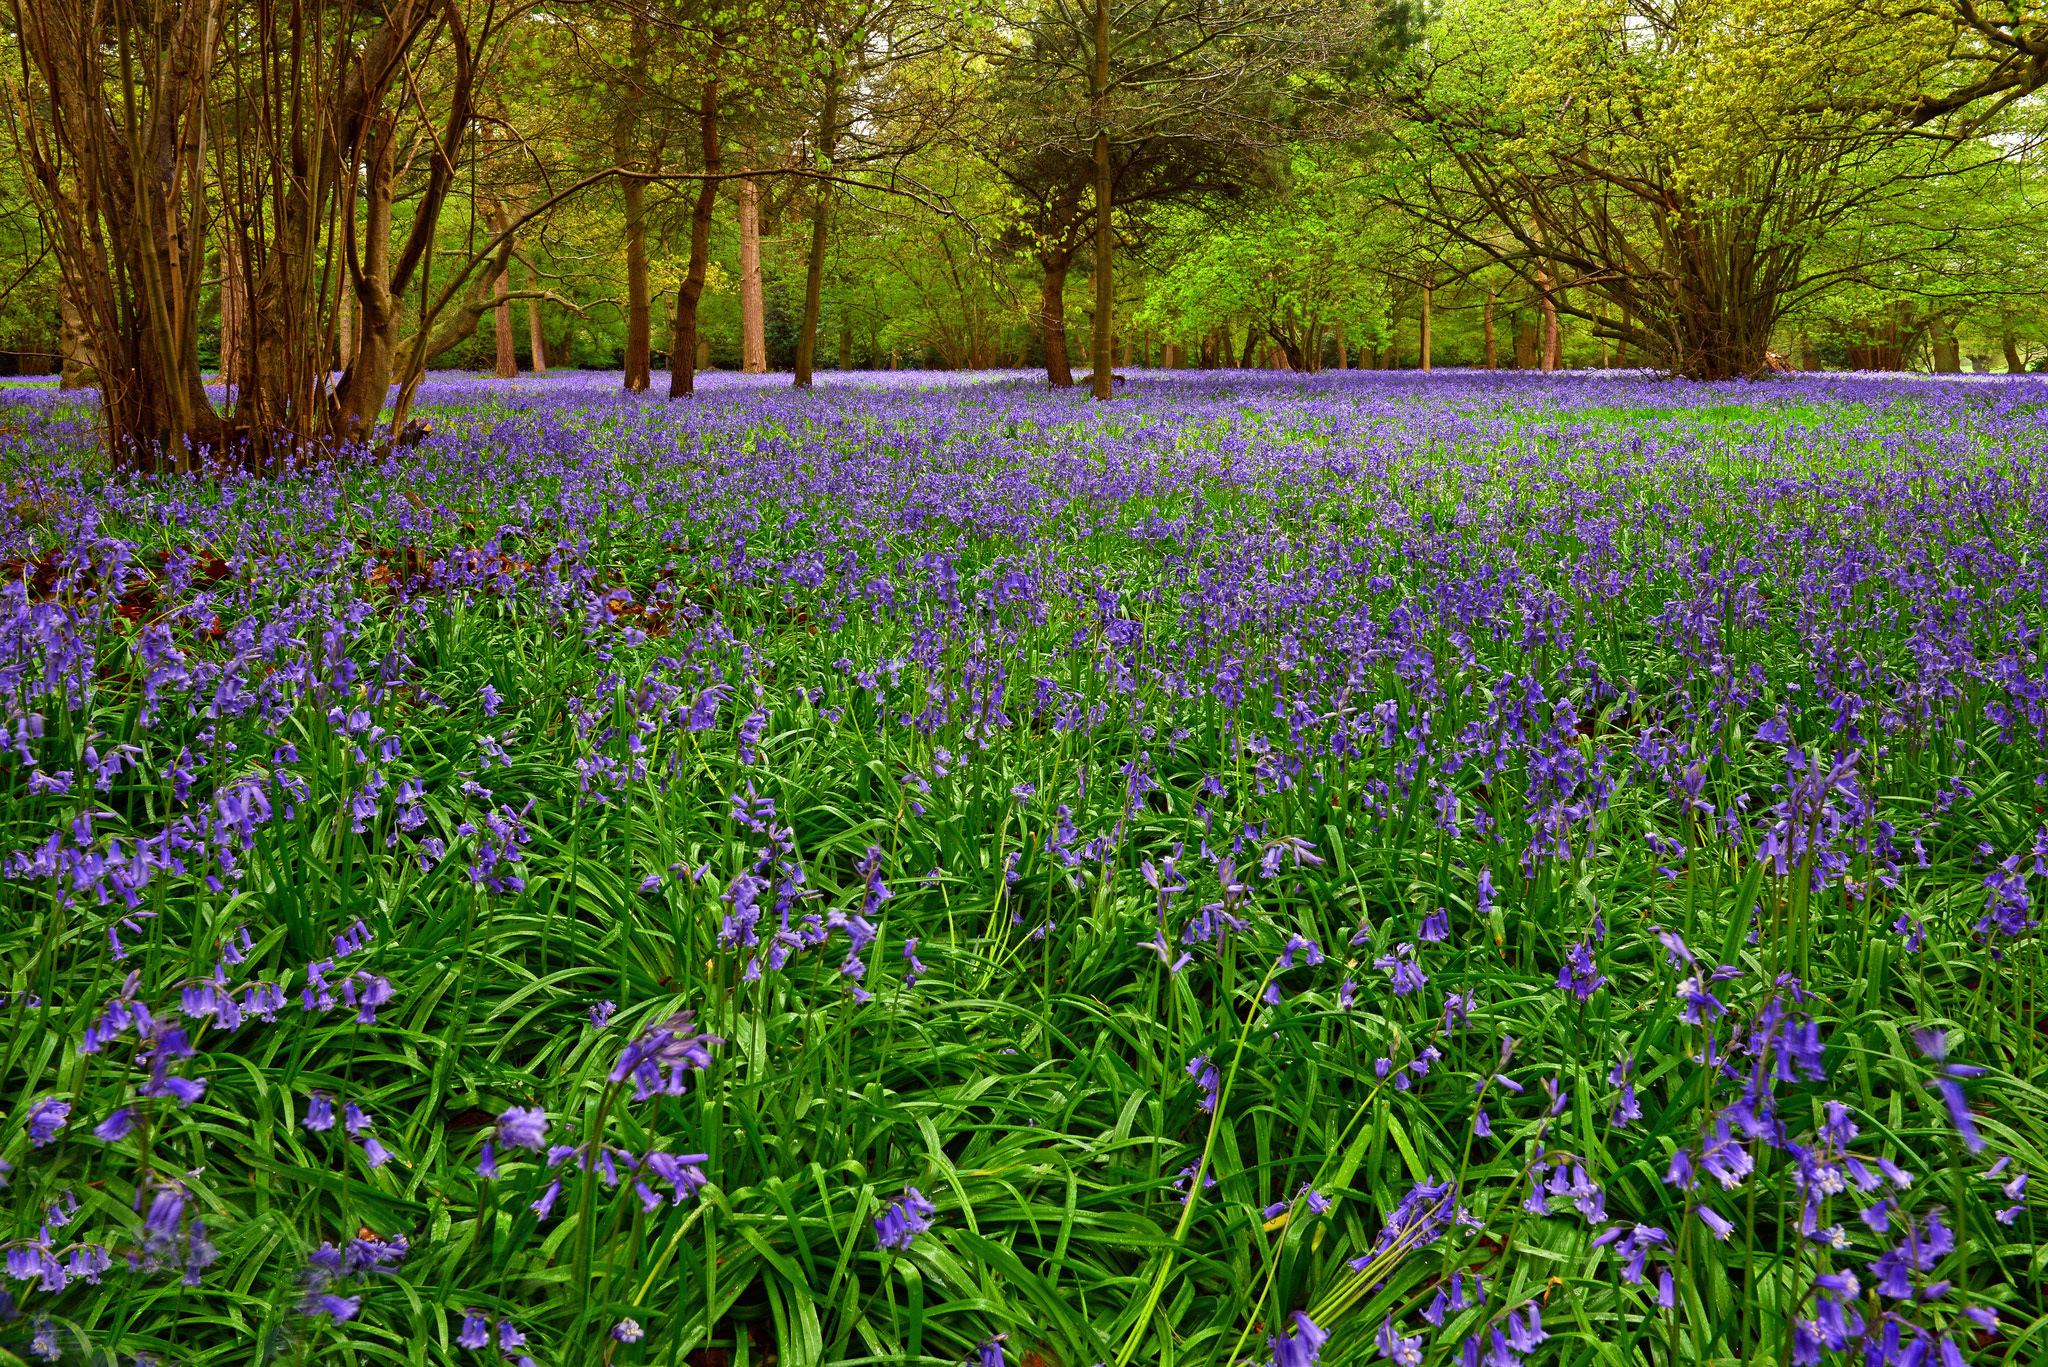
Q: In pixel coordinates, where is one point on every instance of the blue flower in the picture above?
(1305, 1344)
(45, 1118)
(906, 1217)
(524, 1128)
(1402, 1352)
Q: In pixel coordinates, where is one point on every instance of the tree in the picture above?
(1016, 131)
(1666, 172)
(132, 100)
(1117, 75)
(1295, 267)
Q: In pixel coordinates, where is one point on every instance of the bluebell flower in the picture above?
(524, 1128)
(1204, 1073)
(990, 1351)
(45, 1118)
(657, 1059)
(906, 1217)
(1301, 1347)
(1580, 975)
(1404, 974)
(628, 1331)
(1458, 1009)
(1393, 1347)
(1311, 951)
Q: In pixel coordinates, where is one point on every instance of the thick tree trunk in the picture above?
(1492, 351)
(508, 350)
(75, 368)
(1287, 353)
(2013, 364)
(368, 377)
(1052, 318)
(501, 289)
(1105, 203)
(845, 340)
(1343, 363)
(1948, 352)
(234, 308)
(639, 304)
(626, 128)
(814, 273)
(683, 357)
(753, 316)
(1528, 344)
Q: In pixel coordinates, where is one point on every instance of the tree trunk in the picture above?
(497, 220)
(536, 339)
(1528, 344)
(814, 275)
(845, 340)
(1492, 351)
(1948, 351)
(344, 325)
(639, 306)
(1428, 289)
(1105, 202)
(2013, 364)
(1550, 334)
(131, 240)
(753, 317)
(234, 308)
(368, 378)
(76, 369)
(1052, 318)
(683, 356)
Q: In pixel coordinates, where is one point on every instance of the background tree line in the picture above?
(257, 226)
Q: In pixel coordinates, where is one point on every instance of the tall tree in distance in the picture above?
(1120, 73)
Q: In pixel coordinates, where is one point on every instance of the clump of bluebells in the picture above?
(1414, 869)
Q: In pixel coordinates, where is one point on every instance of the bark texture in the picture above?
(753, 316)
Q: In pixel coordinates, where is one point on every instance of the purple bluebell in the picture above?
(1393, 1347)
(1300, 1347)
(902, 1220)
(45, 1118)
